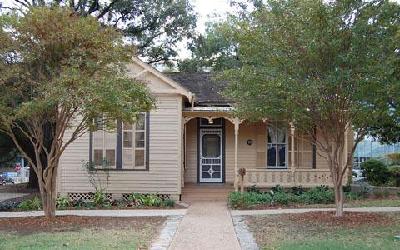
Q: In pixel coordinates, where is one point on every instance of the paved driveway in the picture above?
(6, 196)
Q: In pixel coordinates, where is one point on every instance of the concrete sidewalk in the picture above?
(305, 210)
(207, 225)
(102, 213)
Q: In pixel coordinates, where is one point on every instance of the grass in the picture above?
(280, 232)
(384, 202)
(84, 239)
(347, 239)
(74, 232)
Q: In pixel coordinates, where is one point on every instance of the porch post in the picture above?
(292, 166)
(236, 125)
(292, 163)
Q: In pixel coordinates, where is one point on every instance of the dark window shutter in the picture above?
(147, 140)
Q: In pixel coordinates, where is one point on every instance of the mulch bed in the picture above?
(28, 225)
(350, 219)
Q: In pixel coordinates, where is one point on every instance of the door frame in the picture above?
(222, 127)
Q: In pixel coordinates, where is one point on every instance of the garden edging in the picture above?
(305, 210)
(102, 213)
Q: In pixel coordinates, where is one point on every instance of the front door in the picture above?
(210, 165)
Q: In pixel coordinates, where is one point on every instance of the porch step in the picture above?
(205, 192)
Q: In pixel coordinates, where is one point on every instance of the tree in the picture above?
(8, 152)
(216, 49)
(65, 70)
(323, 66)
(156, 27)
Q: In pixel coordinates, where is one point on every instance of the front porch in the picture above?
(279, 157)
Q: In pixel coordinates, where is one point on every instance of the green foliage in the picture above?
(318, 195)
(279, 197)
(148, 200)
(394, 158)
(351, 196)
(168, 203)
(62, 202)
(215, 50)
(100, 199)
(322, 65)
(395, 175)
(376, 172)
(253, 189)
(31, 204)
(154, 27)
(64, 70)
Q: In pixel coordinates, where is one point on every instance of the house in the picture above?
(192, 137)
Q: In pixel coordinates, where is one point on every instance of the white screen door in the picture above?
(210, 155)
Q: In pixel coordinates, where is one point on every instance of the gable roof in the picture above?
(147, 68)
(206, 88)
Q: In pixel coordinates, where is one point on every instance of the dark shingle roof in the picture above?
(205, 87)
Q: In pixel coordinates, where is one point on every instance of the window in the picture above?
(104, 147)
(124, 148)
(134, 144)
(276, 146)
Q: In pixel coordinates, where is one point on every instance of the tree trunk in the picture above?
(339, 199)
(49, 204)
(48, 191)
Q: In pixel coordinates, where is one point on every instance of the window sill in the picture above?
(122, 170)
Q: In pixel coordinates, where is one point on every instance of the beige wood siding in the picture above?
(164, 157)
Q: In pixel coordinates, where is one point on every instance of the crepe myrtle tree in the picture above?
(66, 70)
(325, 66)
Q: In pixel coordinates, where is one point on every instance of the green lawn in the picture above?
(83, 239)
(79, 233)
(384, 202)
(296, 233)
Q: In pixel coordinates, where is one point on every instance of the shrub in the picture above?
(395, 175)
(253, 189)
(168, 203)
(376, 172)
(31, 204)
(100, 199)
(62, 202)
(8, 205)
(318, 195)
(351, 196)
(248, 199)
(297, 190)
(151, 200)
(280, 198)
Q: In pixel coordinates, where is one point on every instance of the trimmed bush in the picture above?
(278, 196)
(376, 172)
(317, 195)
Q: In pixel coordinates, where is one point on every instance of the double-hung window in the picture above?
(134, 144)
(276, 146)
(124, 148)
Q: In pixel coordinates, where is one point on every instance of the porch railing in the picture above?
(287, 177)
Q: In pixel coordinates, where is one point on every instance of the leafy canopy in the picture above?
(318, 63)
(57, 67)
(156, 27)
